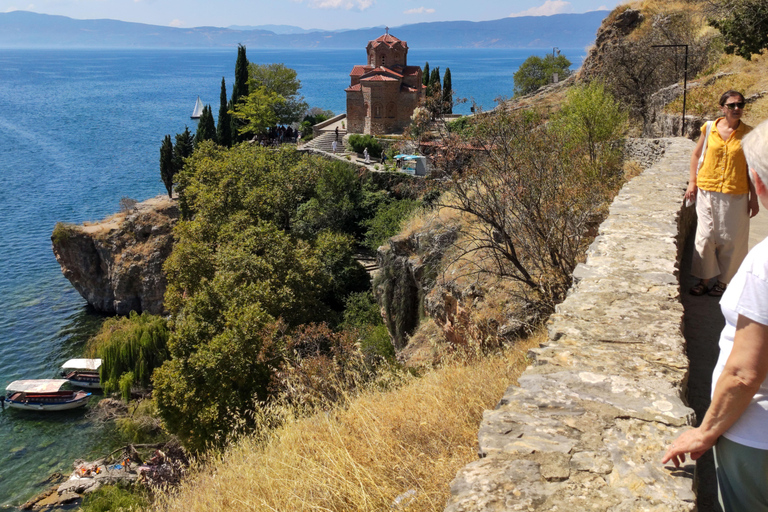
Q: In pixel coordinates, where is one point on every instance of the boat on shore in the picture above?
(82, 372)
(44, 395)
(198, 110)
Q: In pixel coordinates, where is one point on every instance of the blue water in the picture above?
(79, 130)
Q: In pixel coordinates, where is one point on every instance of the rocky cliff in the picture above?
(116, 264)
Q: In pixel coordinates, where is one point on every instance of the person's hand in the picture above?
(691, 441)
(690, 192)
(754, 205)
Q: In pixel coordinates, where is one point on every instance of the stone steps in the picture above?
(324, 142)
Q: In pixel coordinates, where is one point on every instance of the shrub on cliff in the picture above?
(533, 191)
(536, 72)
(61, 232)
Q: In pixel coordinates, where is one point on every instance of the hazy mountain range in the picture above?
(22, 29)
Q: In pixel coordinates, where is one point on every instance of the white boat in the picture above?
(44, 395)
(82, 372)
(198, 111)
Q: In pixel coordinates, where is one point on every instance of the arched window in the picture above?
(377, 110)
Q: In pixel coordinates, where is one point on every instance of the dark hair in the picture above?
(730, 94)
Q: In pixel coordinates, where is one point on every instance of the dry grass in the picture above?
(363, 457)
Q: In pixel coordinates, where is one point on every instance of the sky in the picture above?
(308, 14)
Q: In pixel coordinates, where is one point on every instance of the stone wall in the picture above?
(587, 424)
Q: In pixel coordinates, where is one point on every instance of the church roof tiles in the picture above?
(379, 78)
(387, 39)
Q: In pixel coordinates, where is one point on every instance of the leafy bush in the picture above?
(112, 498)
(536, 72)
(360, 142)
(142, 426)
(387, 221)
(458, 125)
(363, 314)
(61, 233)
(744, 25)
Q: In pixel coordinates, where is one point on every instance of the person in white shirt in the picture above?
(736, 423)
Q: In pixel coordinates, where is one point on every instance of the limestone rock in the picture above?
(116, 264)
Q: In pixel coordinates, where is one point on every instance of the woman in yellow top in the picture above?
(725, 198)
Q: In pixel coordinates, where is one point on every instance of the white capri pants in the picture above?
(722, 234)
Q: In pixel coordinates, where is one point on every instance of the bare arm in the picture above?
(744, 372)
(690, 193)
(754, 203)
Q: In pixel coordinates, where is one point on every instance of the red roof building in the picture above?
(384, 92)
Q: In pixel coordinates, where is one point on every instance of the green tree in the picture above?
(184, 147)
(447, 92)
(536, 72)
(130, 348)
(224, 122)
(744, 25)
(257, 112)
(240, 87)
(425, 74)
(434, 82)
(206, 128)
(167, 164)
(317, 115)
(283, 81)
(336, 203)
(591, 117)
(239, 90)
(234, 271)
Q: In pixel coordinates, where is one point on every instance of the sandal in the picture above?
(699, 289)
(717, 290)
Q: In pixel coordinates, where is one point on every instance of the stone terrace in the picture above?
(587, 425)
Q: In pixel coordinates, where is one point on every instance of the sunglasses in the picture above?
(731, 106)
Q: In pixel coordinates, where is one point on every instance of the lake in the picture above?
(81, 129)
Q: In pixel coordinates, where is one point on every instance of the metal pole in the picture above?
(685, 87)
(685, 79)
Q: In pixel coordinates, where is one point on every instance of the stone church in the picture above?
(383, 93)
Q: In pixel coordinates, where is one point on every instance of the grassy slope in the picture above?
(364, 456)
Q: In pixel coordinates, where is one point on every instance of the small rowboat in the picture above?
(44, 395)
(82, 372)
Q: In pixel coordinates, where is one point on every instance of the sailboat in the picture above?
(198, 109)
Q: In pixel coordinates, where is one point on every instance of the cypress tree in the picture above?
(241, 75)
(167, 167)
(206, 129)
(425, 74)
(224, 124)
(239, 89)
(447, 93)
(434, 82)
(183, 148)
